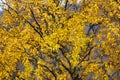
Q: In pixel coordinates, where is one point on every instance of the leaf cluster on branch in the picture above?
(60, 40)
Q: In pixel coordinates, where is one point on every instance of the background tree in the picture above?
(60, 39)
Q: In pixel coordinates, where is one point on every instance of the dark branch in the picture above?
(32, 13)
(91, 27)
(66, 3)
(67, 69)
(50, 71)
(85, 56)
(40, 33)
(65, 57)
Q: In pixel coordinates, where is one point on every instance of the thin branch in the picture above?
(91, 27)
(40, 33)
(65, 57)
(86, 55)
(49, 71)
(68, 70)
(32, 13)
(66, 4)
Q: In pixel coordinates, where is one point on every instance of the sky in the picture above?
(0, 7)
(1, 3)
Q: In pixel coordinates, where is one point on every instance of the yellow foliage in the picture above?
(59, 40)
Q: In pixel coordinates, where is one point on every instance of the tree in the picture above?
(45, 40)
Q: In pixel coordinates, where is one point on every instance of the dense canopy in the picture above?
(60, 40)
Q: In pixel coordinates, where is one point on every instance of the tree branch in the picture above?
(66, 3)
(49, 71)
(32, 13)
(65, 57)
(85, 56)
(40, 33)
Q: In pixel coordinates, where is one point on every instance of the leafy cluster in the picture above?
(60, 40)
